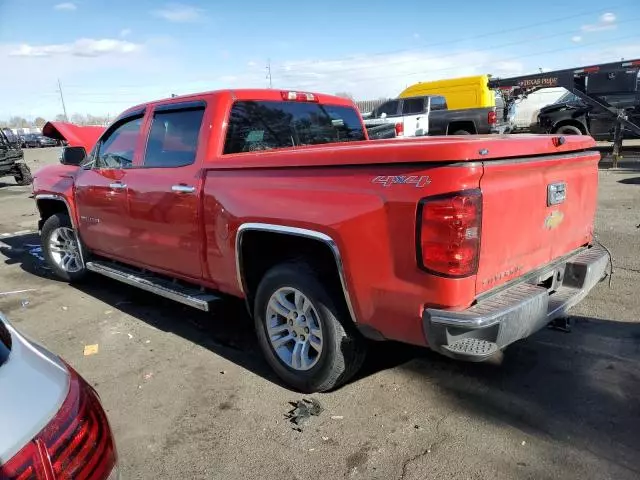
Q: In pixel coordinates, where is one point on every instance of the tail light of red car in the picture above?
(399, 129)
(492, 117)
(448, 233)
(76, 444)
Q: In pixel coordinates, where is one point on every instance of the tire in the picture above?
(343, 348)
(568, 130)
(23, 177)
(50, 233)
(461, 132)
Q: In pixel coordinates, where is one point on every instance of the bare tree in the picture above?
(39, 122)
(60, 118)
(18, 122)
(78, 119)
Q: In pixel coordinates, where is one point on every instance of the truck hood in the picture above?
(75, 135)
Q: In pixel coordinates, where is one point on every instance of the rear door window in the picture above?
(173, 139)
(268, 125)
(412, 106)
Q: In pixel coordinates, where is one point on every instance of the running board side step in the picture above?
(190, 296)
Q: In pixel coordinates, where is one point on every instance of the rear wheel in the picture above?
(61, 248)
(303, 332)
(23, 174)
(461, 132)
(568, 130)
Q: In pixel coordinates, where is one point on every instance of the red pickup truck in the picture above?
(462, 244)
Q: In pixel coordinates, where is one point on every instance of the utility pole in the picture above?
(269, 72)
(64, 108)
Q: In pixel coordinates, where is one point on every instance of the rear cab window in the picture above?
(438, 103)
(270, 125)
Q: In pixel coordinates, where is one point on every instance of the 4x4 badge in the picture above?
(417, 181)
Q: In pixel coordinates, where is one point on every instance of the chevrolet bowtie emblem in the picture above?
(553, 219)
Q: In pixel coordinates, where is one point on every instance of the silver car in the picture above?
(53, 425)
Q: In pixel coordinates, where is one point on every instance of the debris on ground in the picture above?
(65, 308)
(90, 349)
(24, 303)
(148, 376)
(14, 292)
(303, 410)
(35, 251)
(336, 417)
(130, 336)
(108, 312)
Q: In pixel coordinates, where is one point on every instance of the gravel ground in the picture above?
(189, 396)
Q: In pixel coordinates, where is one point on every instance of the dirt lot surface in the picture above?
(189, 396)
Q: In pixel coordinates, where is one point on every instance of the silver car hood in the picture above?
(33, 385)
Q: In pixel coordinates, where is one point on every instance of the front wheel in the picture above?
(23, 175)
(568, 130)
(61, 248)
(304, 334)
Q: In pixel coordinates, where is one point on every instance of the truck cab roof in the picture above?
(265, 94)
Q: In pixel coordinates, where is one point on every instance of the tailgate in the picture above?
(526, 223)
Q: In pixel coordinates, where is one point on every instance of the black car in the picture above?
(46, 141)
(12, 158)
(30, 140)
(570, 116)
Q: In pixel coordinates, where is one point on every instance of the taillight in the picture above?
(76, 444)
(299, 96)
(448, 233)
(399, 129)
(492, 118)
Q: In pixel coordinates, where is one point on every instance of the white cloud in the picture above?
(83, 47)
(608, 18)
(373, 76)
(576, 39)
(179, 13)
(251, 64)
(607, 21)
(125, 32)
(65, 6)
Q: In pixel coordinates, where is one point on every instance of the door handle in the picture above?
(117, 185)
(183, 188)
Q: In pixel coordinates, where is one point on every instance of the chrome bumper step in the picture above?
(149, 282)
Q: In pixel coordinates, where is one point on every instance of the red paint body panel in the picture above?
(331, 189)
(515, 239)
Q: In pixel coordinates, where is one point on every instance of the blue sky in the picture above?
(112, 54)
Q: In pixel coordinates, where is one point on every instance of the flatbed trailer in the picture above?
(589, 84)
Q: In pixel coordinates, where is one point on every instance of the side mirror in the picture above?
(73, 155)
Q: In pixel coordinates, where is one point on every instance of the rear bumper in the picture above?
(516, 312)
